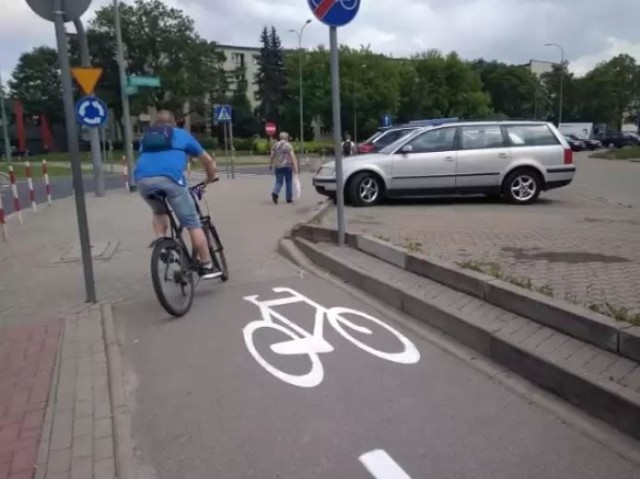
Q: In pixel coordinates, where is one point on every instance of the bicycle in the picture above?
(171, 260)
(301, 342)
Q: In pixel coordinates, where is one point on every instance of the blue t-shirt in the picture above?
(170, 163)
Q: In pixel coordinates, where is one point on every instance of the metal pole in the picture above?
(5, 125)
(301, 97)
(233, 152)
(337, 131)
(301, 86)
(94, 133)
(561, 84)
(226, 147)
(355, 112)
(128, 134)
(561, 99)
(74, 152)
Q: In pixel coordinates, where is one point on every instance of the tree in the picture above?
(514, 90)
(442, 87)
(36, 82)
(245, 123)
(611, 90)
(160, 41)
(272, 77)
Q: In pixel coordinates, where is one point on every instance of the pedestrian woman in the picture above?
(285, 164)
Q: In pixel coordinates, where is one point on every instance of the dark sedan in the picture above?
(590, 144)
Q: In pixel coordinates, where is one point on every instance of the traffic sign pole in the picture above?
(74, 151)
(337, 132)
(126, 120)
(233, 152)
(94, 133)
(336, 13)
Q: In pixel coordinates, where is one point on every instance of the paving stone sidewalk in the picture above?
(568, 246)
(27, 359)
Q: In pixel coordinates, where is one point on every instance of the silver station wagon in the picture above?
(513, 159)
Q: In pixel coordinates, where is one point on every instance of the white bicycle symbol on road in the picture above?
(301, 342)
(346, 4)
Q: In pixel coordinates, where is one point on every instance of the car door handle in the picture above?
(503, 155)
(449, 159)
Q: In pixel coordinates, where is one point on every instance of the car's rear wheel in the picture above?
(522, 186)
(365, 189)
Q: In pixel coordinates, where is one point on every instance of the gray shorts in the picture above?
(178, 198)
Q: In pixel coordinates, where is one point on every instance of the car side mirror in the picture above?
(406, 149)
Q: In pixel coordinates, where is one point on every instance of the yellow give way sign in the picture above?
(87, 78)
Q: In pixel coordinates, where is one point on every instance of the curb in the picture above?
(608, 401)
(121, 419)
(578, 322)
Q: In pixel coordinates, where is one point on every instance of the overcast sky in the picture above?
(513, 31)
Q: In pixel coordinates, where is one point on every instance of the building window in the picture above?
(238, 60)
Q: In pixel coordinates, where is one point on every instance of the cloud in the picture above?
(513, 31)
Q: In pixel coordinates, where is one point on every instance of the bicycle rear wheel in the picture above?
(216, 250)
(170, 269)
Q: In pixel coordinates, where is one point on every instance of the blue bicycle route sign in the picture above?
(335, 13)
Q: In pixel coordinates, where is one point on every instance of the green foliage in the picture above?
(36, 82)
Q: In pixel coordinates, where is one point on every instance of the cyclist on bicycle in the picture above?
(164, 152)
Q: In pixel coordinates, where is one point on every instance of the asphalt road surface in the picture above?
(228, 391)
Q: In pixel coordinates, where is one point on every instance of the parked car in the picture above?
(632, 138)
(616, 139)
(576, 145)
(383, 138)
(589, 144)
(517, 160)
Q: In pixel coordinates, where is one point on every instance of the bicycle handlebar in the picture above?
(198, 189)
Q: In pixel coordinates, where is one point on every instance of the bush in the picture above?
(243, 144)
(209, 143)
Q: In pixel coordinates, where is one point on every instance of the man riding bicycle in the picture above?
(164, 152)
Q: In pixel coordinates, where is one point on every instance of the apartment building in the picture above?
(240, 59)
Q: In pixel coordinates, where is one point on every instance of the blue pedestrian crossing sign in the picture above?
(387, 120)
(91, 112)
(222, 114)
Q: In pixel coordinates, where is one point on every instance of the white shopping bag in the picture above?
(297, 188)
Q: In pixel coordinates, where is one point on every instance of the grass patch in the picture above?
(619, 313)
(36, 171)
(627, 153)
(494, 270)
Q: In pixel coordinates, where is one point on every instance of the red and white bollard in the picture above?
(14, 190)
(47, 183)
(125, 172)
(32, 193)
(3, 224)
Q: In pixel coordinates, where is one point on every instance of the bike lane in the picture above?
(204, 407)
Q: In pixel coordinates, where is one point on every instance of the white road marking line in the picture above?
(382, 466)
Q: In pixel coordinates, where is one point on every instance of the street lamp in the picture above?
(124, 96)
(299, 34)
(355, 105)
(561, 77)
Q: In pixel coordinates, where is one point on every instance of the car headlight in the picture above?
(326, 171)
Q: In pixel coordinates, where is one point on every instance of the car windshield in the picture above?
(373, 137)
(400, 141)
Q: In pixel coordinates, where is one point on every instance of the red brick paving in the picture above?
(27, 358)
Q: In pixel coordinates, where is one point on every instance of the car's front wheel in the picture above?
(365, 189)
(522, 186)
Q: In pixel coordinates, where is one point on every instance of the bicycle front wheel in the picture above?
(216, 250)
(376, 332)
(172, 277)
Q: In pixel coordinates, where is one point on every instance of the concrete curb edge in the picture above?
(121, 418)
(576, 321)
(608, 402)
